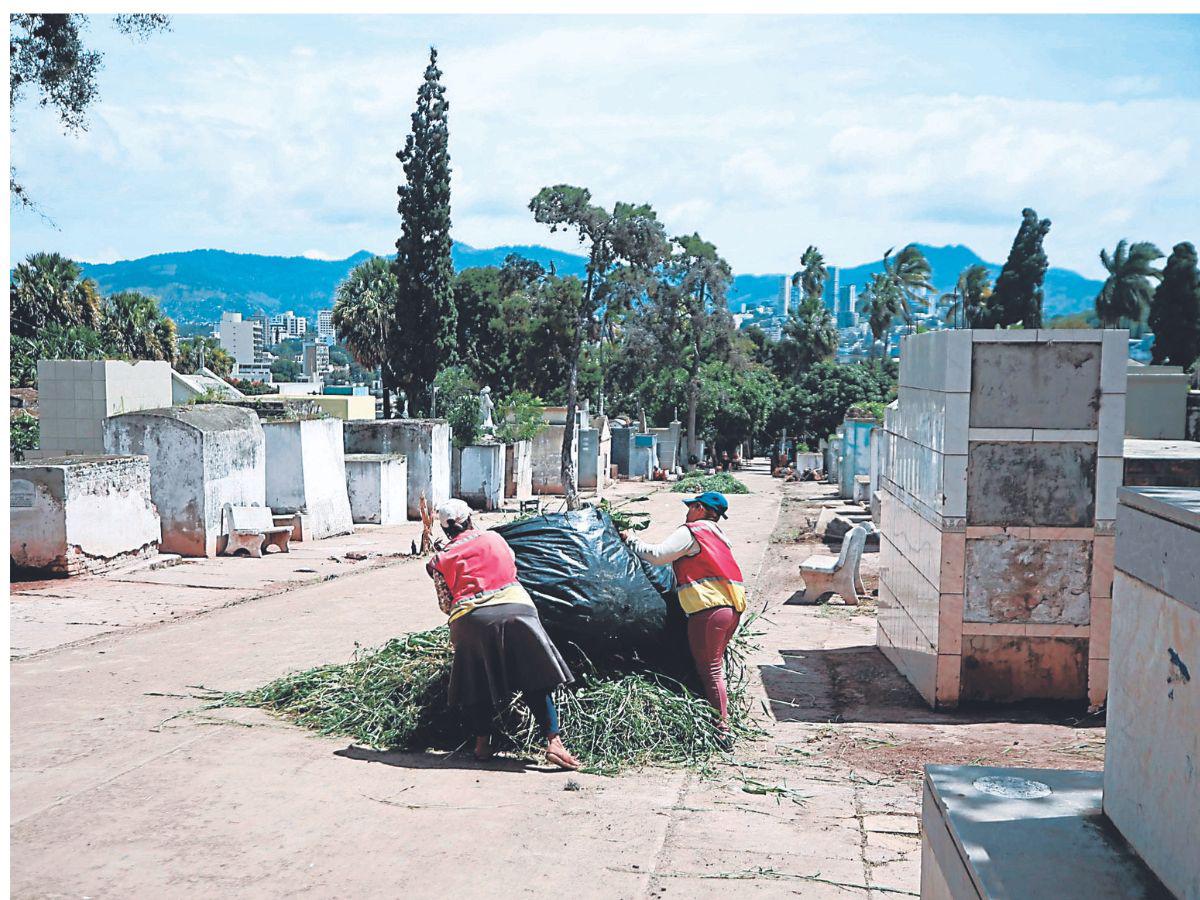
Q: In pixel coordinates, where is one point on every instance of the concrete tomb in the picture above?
(479, 475)
(547, 458)
(997, 501)
(425, 443)
(643, 456)
(306, 474)
(1161, 463)
(858, 439)
(1152, 752)
(1131, 830)
(518, 470)
(622, 444)
(1157, 402)
(76, 396)
(201, 457)
(377, 484)
(76, 514)
(595, 454)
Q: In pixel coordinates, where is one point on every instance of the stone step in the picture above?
(149, 564)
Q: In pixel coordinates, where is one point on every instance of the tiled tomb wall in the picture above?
(1002, 457)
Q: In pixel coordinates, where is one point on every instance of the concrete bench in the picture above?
(836, 574)
(253, 529)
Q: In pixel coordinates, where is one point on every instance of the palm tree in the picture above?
(881, 302)
(968, 300)
(813, 275)
(809, 337)
(909, 272)
(134, 326)
(198, 351)
(1127, 291)
(49, 288)
(362, 316)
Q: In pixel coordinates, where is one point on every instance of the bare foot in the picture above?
(483, 748)
(559, 755)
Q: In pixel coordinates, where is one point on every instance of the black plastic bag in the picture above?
(593, 593)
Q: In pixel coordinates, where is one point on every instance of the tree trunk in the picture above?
(387, 402)
(693, 403)
(694, 383)
(569, 470)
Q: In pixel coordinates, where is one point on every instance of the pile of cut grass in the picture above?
(394, 697)
(698, 483)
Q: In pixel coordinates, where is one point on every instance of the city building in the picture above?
(325, 332)
(289, 325)
(258, 371)
(237, 337)
(785, 296)
(832, 292)
(316, 359)
(847, 307)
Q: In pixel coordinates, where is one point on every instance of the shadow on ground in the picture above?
(440, 759)
(859, 684)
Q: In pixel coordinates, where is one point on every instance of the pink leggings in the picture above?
(709, 632)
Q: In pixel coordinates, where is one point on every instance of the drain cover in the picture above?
(1012, 788)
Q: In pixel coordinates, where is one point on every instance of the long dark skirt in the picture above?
(499, 650)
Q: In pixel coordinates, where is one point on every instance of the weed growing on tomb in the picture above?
(394, 697)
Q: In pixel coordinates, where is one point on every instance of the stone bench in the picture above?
(252, 529)
(836, 574)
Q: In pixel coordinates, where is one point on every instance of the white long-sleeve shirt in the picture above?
(679, 543)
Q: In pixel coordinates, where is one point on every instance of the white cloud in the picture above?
(761, 140)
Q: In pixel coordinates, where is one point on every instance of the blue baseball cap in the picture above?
(714, 500)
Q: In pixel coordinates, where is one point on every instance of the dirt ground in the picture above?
(119, 788)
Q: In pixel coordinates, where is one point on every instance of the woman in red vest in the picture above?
(500, 647)
(710, 588)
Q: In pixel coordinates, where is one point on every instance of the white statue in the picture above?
(486, 407)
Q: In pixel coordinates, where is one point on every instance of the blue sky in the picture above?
(277, 134)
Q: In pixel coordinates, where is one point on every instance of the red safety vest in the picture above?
(710, 578)
(476, 562)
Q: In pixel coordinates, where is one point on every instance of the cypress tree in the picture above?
(1175, 310)
(1018, 293)
(420, 339)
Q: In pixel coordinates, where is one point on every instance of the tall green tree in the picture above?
(1126, 293)
(909, 274)
(48, 288)
(134, 325)
(809, 336)
(1175, 310)
(48, 58)
(54, 341)
(1017, 296)
(880, 302)
(812, 275)
(969, 299)
(362, 315)
(699, 278)
(628, 236)
(422, 334)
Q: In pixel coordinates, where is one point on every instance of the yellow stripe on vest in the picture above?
(712, 592)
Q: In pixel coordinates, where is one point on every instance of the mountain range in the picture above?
(198, 285)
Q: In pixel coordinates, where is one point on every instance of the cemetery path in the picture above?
(112, 796)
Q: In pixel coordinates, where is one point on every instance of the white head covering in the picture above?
(453, 510)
